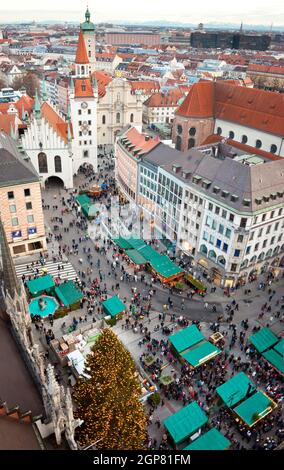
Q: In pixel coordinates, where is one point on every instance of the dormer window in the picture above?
(206, 184)
(246, 202)
(176, 168)
(258, 200)
(224, 193)
(196, 179)
(83, 87)
(216, 189)
(234, 198)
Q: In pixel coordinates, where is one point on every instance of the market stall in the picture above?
(113, 307)
(185, 422)
(201, 354)
(211, 440)
(185, 339)
(40, 285)
(69, 295)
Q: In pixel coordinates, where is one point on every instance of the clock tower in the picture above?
(83, 103)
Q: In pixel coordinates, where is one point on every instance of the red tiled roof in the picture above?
(199, 101)
(139, 140)
(214, 138)
(25, 102)
(81, 54)
(103, 79)
(164, 99)
(83, 88)
(105, 55)
(6, 120)
(251, 107)
(146, 85)
(56, 121)
(266, 69)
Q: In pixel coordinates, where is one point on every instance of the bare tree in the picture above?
(29, 81)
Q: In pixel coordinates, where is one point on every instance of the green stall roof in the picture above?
(122, 243)
(185, 422)
(85, 203)
(211, 440)
(164, 266)
(279, 347)
(148, 252)
(186, 338)
(40, 284)
(136, 243)
(254, 408)
(235, 389)
(68, 293)
(113, 306)
(201, 353)
(275, 359)
(135, 256)
(263, 339)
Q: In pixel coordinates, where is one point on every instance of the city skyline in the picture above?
(259, 13)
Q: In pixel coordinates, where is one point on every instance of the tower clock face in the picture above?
(84, 105)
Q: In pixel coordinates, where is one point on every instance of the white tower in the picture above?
(83, 102)
(88, 30)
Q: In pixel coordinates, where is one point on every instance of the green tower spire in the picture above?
(23, 113)
(37, 106)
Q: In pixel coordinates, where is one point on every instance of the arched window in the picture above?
(191, 143)
(269, 253)
(219, 130)
(178, 143)
(212, 254)
(244, 139)
(131, 117)
(253, 259)
(273, 148)
(90, 53)
(258, 144)
(192, 131)
(231, 135)
(103, 119)
(82, 69)
(117, 118)
(42, 163)
(179, 129)
(203, 249)
(221, 260)
(57, 164)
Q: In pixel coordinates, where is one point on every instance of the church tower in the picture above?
(88, 30)
(83, 103)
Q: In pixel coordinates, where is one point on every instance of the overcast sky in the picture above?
(221, 11)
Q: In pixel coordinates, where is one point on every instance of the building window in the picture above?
(244, 139)
(10, 194)
(237, 253)
(57, 164)
(89, 111)
(231, 135)
(221, 229)
(117, 118)
(240, 238)
(27, 192)
(218, 243)
(258, 144)
(179, 129)
(248, 250)
(131, 117)
(90, 133)
(191, 143)
(243, 222)
(42, 163)
(15, 221)
(273, 148)
(103, 119)
(30, 219)
(192, 131)
(234, 267)
(228, 233)
(178, 143)
(79, 112)
(86, 154)
(29, 205)
(13, 208)
(231, 217)
(219, 130)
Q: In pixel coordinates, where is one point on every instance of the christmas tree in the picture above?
(108, 401)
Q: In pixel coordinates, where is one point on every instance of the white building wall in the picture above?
(40, 132)
(252, 135)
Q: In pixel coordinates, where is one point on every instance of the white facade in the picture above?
(252, 135)
(107, 64)
(41, 138)
(90, 43)
(84, 123)
(158, 114)
(116, 109)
